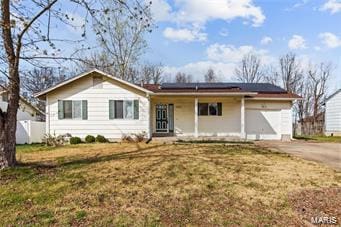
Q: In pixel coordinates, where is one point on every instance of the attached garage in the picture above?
(263, 124)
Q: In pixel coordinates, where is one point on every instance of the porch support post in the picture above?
(149, 107)
(196, 118)
(242, 118)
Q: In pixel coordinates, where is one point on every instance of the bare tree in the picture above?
(40, 79)
(122, 38)
(133, 75)
(25, 32)
(183, 78)
(210, 76)
(271, 75)
(290, 72)
(318, 76)
(303, 107)
(96, 60)
(250, 69)
(152, 73)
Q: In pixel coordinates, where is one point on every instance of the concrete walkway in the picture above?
(327, 153)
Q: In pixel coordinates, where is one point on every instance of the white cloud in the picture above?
(297, 42)
(330, 40)
(266, 40)
(229, 53)
(225, 71)
(221, 58)
(201, 11)
(334, 6)
(193, 14)
(161, 10)
(184, 34)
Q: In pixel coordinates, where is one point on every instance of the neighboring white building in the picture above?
(29, 125)
(97, 103)
(26, 110)
(333, 114)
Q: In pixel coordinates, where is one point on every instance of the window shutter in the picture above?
(220, 111)
(84, 109)
(111, 109)
(136, 109)
(60, 110)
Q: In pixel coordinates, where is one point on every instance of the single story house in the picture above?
(98, 103)
(333, 114)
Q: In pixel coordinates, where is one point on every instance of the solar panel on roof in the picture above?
(248, 87)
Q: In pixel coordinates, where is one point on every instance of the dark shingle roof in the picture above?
(242, 87)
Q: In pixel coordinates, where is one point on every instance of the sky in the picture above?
(193, 35)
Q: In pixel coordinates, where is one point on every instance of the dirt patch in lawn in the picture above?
(322, 205)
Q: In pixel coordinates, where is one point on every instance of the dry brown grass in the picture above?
(157, 184)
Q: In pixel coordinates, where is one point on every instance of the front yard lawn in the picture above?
(157, 184)
(330, 139)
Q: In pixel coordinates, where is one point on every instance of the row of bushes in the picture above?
(89, 139)
(57, 140)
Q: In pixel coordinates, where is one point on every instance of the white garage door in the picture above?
(263, 124)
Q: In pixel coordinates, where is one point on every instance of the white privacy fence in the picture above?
(30, 132)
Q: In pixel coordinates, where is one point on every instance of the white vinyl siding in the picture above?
(333, 115)
(98, 109)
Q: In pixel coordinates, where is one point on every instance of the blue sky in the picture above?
(192, 35)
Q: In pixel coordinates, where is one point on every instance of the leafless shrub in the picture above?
(54, 140)
(127, 138)
(134, 138)
(140, 137)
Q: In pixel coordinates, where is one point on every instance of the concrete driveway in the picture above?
(327, 153)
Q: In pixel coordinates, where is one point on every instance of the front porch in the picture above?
(197, 117)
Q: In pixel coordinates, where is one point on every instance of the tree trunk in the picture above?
(303, 132)
(7, 144)
(8, 123)
(8, 118)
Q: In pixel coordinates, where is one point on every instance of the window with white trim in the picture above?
(124, 109)
(210, 109)
(73, 109)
